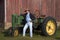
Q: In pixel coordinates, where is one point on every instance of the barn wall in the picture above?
(12, 7)
(42, 7)
(50, 8)
(57, 10)
(37, 8)
(15, 6)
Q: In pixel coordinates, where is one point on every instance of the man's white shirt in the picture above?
(28, 19)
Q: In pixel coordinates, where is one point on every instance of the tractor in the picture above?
(47, 25)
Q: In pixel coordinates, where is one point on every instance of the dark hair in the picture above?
(26, 10)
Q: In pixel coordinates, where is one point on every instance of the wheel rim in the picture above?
(50, 27)
(16, 33)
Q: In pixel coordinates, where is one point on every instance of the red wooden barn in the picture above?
(38, 7)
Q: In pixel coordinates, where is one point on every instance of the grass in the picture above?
(57, 35)
(35, 37)
(20, 37)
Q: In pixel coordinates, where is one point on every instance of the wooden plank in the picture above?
(57, 14)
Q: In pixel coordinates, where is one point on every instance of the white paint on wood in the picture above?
(5, 9)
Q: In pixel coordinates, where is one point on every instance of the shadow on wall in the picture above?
(1, 14)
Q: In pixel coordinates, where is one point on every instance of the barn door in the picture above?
(1, 13)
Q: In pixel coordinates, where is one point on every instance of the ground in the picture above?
(35, 37)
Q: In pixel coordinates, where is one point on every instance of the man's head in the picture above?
(27, 10)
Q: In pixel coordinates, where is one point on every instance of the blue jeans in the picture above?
(28, 24)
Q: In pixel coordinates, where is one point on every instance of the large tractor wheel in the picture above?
(49, 26)
(15, 32)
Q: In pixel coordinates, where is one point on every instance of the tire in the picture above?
(15, 32)
(49, 26)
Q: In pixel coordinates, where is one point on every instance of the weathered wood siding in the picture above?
(57, 12)
(38, 7)
(42, 7)
(12, 7)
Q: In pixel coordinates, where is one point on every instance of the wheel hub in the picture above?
(50, 27)
(15, 32)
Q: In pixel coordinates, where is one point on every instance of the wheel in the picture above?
(35, 23)
(49, 26)
(15, 32)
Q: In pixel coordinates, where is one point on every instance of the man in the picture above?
(28, 23)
